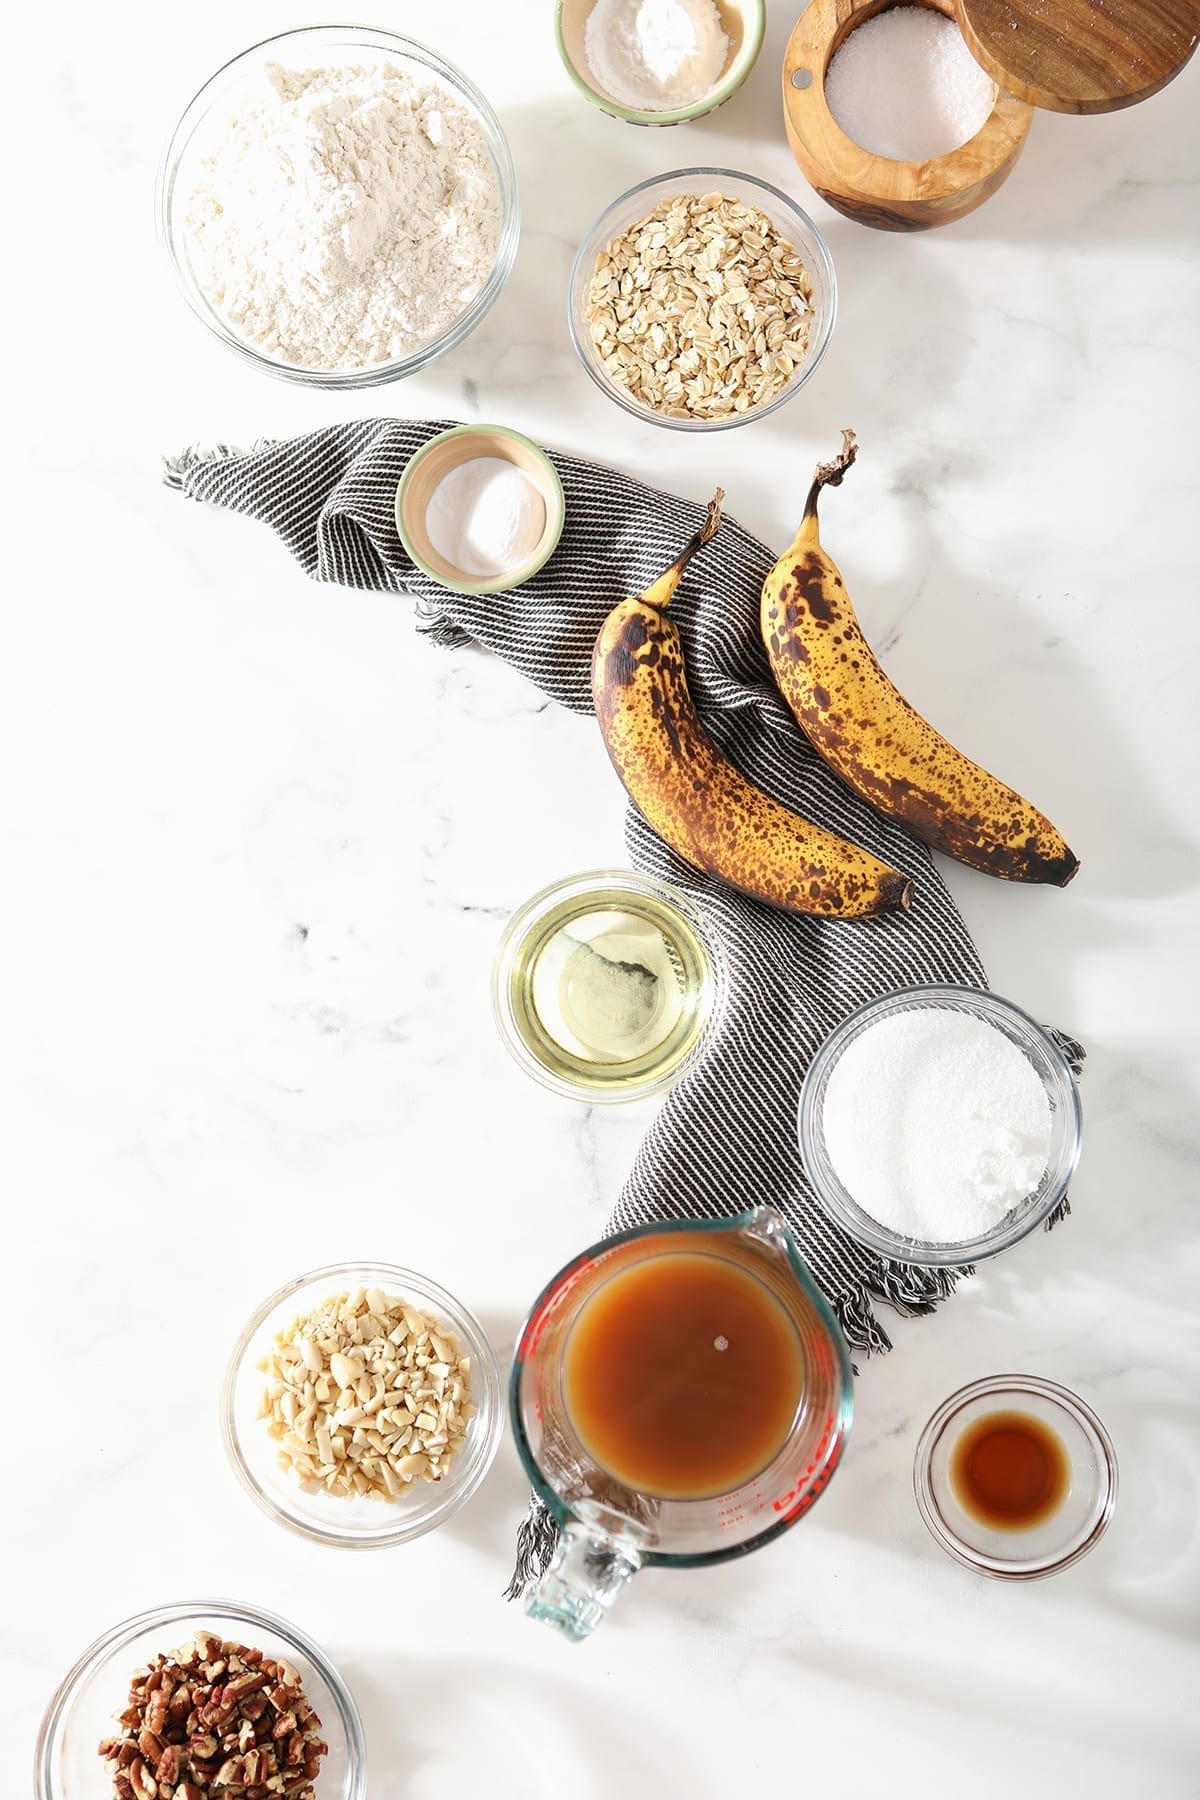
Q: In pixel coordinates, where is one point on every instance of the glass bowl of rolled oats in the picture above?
(205, 1697)
(362, 1405)
(702, 299)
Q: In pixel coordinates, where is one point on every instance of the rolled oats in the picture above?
(701, 309)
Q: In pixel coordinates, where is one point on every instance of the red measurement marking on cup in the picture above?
(538, 1322)
(809, 1483)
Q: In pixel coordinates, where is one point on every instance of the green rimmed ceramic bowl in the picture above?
(447, 451)
(743, 22)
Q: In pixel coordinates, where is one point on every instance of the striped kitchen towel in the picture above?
(725, 1137)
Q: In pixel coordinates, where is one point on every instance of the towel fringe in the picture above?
(859, 1324)
(536, 1541)
(175, 469)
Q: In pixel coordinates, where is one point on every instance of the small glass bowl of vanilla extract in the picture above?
(606, 985)
(1016, 1477)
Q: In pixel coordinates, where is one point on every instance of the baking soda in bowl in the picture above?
(485, 517)
(936, 1124)
(905, 86)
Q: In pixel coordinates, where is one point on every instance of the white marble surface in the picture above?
(260, 841)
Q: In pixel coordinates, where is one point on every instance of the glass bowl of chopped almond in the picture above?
(702, 299)
(203, 1697)
(362, 1405)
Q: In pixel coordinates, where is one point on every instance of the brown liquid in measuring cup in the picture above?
(1009, 1471)
(683, 1375)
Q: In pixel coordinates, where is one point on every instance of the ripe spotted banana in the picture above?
(692, 796)
(867, 731)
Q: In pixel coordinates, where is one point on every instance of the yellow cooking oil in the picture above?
(610, 990)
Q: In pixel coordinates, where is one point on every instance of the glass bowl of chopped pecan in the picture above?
(207, 1697)
(702, 299)
(362, 1405)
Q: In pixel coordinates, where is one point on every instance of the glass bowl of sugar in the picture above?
(939, 1125)
(339, 206)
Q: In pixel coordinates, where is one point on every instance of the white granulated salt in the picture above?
(904, 85)
(936, 1123)
(485, 517)
(655, 55)
(348, 215)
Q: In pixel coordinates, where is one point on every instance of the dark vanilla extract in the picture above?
(1009, 1470)
(683, 1375)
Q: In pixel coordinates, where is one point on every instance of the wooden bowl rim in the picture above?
(550, 487)
(755, 16)
(998, 138)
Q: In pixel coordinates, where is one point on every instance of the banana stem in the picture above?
(660, 590)
(830, 474)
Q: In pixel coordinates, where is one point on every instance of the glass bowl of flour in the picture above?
(339, 206)
(939, 1125)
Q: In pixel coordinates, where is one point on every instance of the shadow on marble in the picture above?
(565, 185)
(526, 1725)
(952, 1683)
(488, 1523)
(1128, 848)
(1109, 182)
(1141, 1138)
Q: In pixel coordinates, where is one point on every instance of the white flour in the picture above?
(655, 55)
(348, 216)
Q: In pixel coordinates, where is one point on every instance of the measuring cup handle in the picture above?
(586, 1573)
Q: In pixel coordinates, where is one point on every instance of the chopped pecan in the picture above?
(245, 1684)
(215, 1722)
(169, 1765)
(141, 1780)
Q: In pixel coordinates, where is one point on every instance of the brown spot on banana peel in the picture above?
(699, 803)
(870, 735)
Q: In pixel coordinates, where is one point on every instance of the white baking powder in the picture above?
(347, 216)
(936, 1123)
(485, 517)
(904, 85)
(655, 55)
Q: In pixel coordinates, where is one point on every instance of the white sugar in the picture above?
(937, 1124)
(904, 85)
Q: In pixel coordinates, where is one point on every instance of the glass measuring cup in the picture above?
(609, 1531)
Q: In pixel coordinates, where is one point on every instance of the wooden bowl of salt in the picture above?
(1074, 56)
(890, 191)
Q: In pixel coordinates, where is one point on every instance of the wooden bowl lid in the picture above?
(1081, 56)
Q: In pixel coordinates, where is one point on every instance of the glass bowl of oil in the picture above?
(605, 985)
